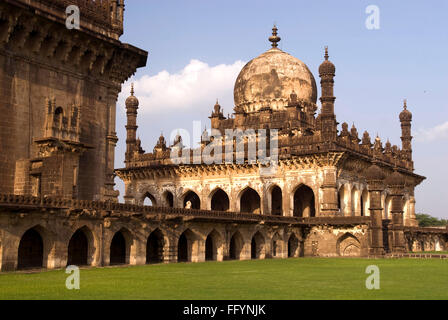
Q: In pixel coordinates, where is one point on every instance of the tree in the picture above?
(425, 220)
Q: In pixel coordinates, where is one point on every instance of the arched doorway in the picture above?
(78, 249)
(364, 203)
(257, 246)
(355, 197)
(118, 249)
(276, 201)
(293, 246)
(154, 247)
(236, 246)
(304, 202)
(31, 250)
(185, 246)
(220, 201)
(213, 247)
(149, 200)
(348, 246)
(169, 199)
(191, 201)
(250, 201)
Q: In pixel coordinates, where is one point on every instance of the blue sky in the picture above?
(196, 49)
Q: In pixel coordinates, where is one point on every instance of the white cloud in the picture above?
(197, 86)
(438, 132)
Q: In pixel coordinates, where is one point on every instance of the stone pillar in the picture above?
(396, 184)
(329, 201)
(286, 199)
(375, 178)
(111, 141)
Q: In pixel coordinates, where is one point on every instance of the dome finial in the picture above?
(132, 89)
(405, 102)
(326, 53)
(274, 38)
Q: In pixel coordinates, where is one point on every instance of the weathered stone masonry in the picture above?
(58, 89)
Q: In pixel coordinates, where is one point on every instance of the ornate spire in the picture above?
(274, 38)
(326, 53)
(132, 88)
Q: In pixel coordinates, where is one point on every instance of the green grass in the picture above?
(305, 278)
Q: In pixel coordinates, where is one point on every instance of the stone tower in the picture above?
(59, 90)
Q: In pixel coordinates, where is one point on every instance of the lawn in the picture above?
(303, 278)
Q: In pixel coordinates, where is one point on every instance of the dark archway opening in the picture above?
(169, 199)
(253, 249)
(250, 201)
(210, 249)
(118, 249)
(277, 201)
(293, 246)
(154, 247)
(31, 251)
(78, 249)
(220, 201)
(192, 200)
(304, 204)
(256, 246)
(236, 245)
(182, 249)
(149, 200)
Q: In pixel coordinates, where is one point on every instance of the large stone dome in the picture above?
(270, 79)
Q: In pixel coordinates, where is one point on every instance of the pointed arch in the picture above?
(304, 202)
(168, 198)
(364, 203)
(355, 202)
(120, 247)
(348, 246)
(343, 195)
(187, 250)
(258, 245)
(149, 200)
(236, 246)
(219, 200)
(155, 247)
(276, 200)
(81, 248)
(213, 246)
(294, 247)
(31, 250)
(250, 201)
(191, 200)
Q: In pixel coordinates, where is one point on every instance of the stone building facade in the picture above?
(322, 192)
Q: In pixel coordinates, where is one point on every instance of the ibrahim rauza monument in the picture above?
(331, 192)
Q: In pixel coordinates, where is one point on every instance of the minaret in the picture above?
(328, 122)
(131, 126)
(406, 138)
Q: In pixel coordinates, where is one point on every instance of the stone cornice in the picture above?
(195, 170)
(26, 35)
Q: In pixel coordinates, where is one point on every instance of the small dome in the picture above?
(271, 78)
(396, 179)
(327, 67)
(405, 115)
(132, 101)
(374, 173)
